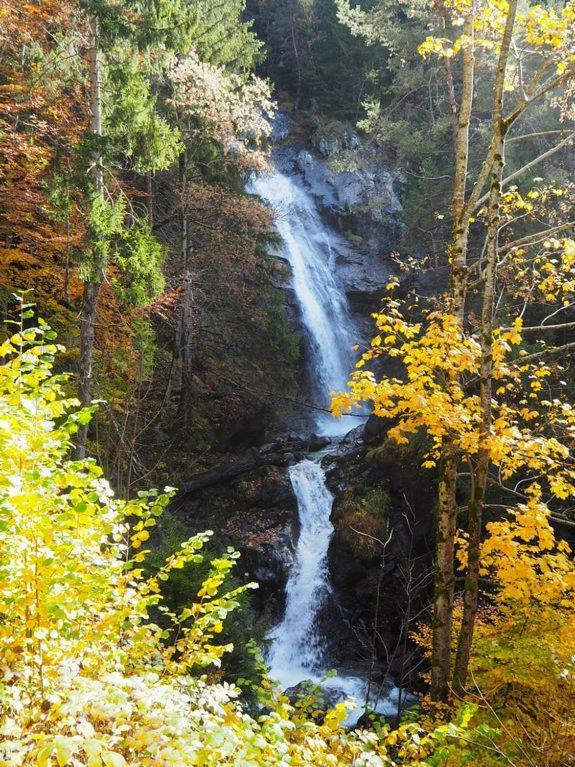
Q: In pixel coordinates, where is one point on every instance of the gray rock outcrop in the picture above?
(359, 196)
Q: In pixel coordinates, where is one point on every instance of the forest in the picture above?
(287, 404)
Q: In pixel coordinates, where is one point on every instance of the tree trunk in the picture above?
(475, 508)
(150, 198)
(93, 283)
(251, 460)
(185, 348)
(444, 579)
(184, 335)
(447, 500)
(460, 225)
(451, 99)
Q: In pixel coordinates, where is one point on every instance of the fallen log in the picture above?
(253, 459)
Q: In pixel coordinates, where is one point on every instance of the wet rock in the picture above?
(268, 554)
(359, 194)
(316, 442)
(335, 136)
(283, 125)
(375, 430)
(380, 488)
(256, 512)
(353, 438)
(284, 451)
(359, 199)
(267, 448)
(290, 441)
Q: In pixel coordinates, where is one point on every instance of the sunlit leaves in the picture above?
(434, 394)
(88, 680)
(547, 31)
(234, 112)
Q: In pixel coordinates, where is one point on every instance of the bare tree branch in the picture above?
(533, 239)
(529, 165)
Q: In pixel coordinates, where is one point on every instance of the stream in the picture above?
(297, 650)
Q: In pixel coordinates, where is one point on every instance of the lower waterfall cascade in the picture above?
(297, 648)
(296, 653)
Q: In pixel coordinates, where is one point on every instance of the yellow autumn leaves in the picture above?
(546, 29)
(435, 391)
(87, 679)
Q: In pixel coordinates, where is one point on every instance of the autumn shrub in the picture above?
(524, 661)
(362, 520)
(86, 677)
(523, 664)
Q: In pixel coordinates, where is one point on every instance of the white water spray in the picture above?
(297, 648)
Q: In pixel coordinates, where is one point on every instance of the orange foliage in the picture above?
(232, 302)
(42, 118)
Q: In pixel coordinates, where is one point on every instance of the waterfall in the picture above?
(307, 246)
(297, 651)
(297, 646)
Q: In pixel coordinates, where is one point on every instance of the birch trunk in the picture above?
(447, 497)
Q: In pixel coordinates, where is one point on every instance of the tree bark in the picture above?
(94, 282)
(248, 462)
(185, 348)
(451, 99)
(460, 226)
(150, 198)
(447, 497)
(444, 579)
(184, 336)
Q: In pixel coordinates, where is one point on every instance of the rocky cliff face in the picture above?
(381, 550)
(359, 197)
(355, 189)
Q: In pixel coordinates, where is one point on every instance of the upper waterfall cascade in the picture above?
(297, 651)
(308, 247)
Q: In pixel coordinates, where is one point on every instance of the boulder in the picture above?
(316, 442)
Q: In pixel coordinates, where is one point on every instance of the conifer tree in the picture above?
(126, 129)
